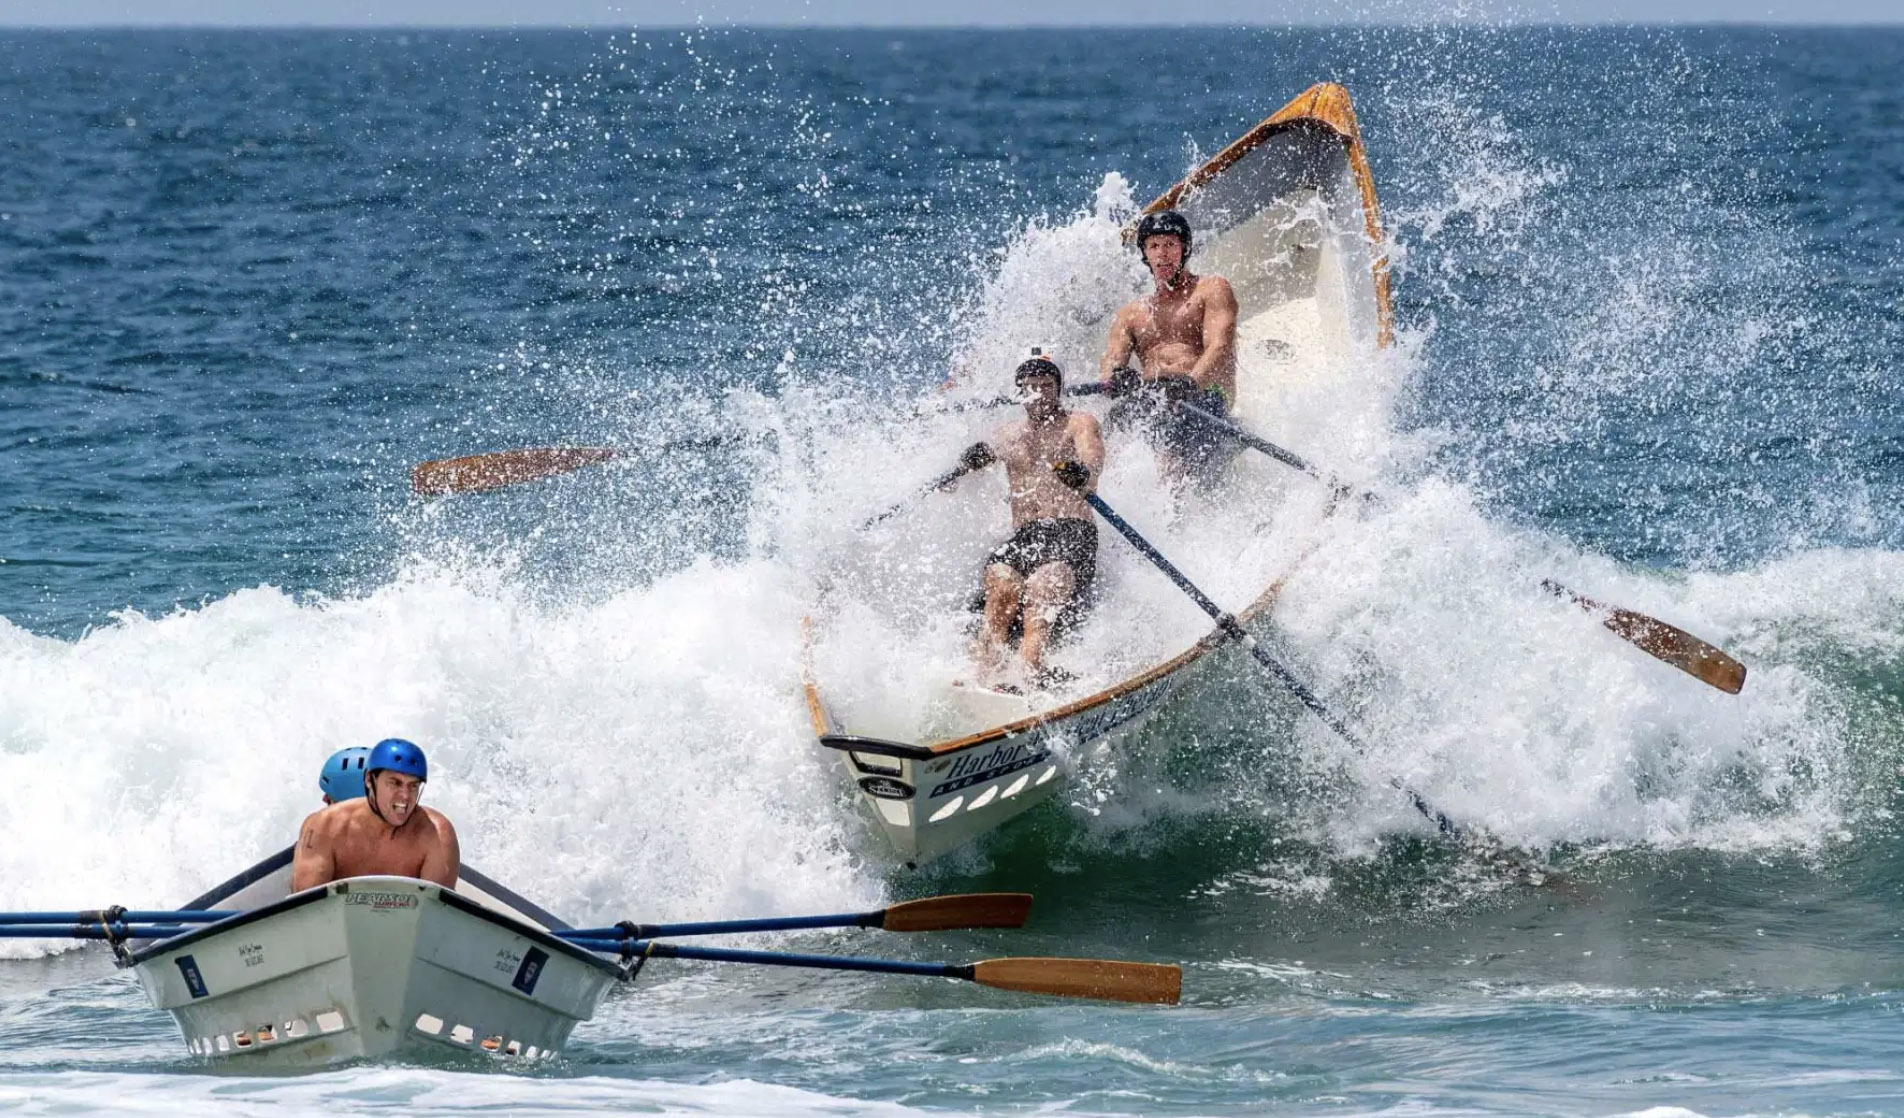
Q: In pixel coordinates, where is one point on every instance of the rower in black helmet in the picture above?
(1183, 334)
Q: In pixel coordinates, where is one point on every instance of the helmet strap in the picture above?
(370, 797)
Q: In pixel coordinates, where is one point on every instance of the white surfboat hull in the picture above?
(929, 803)
(372, 968)
(1288, 214)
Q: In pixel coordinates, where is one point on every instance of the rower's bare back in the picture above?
(1028, 451)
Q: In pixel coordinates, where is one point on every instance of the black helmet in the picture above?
(1164, 223)
(1038, 365)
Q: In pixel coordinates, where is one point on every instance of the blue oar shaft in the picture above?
(90, 931)
(720, 927)
(777, 958)
(1263, 656)
(94, 916)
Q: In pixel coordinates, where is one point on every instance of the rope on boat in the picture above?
(112, 929)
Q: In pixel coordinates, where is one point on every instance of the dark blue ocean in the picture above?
(1650, 310)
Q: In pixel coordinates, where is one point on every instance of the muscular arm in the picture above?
(313, 863)
(1118, 349)
(445, 856)
(1089, 439)
(1219, 332)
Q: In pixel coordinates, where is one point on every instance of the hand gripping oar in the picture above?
(1663, 642)
(928, 914)
(976, 457)
(1237, 633)
(1108, 979)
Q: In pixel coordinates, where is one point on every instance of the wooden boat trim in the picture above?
(1326, 104)
(816, 708)
(823, 727)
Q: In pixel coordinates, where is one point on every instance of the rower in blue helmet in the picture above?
(382, 830)
(342, 777)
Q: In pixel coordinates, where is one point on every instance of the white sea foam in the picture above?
(416, 1092)
(643, 750)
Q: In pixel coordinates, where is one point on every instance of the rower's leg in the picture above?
(1004, 589)
(1046, 593)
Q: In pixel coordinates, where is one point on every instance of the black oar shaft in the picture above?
(725, 927)
(1236, 632)
(940, 482)
(780, 958)
(1256, 442)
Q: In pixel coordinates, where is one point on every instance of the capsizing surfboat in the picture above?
(1288, 213)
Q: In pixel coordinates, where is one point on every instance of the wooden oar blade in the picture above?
(1108, 979)
(1679, 648)
(477, 473)
(1667, 643)
(968, 910)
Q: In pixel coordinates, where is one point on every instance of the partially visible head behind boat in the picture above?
(342, 777)
(395, 798)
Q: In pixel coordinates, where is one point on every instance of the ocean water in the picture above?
(1650, 312)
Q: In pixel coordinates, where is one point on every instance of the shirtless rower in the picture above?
(1045, 571)
(384, 831)
(1184, 334)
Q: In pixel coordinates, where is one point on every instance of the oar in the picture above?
(117, 916)
(1237, 633)
(91, 931)
(1108, 979)
(1088, 388)
(928, 914)
(479, 473)
(1663, 642)
(940, 482)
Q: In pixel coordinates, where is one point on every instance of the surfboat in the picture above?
(369, 968)
(1288, 214)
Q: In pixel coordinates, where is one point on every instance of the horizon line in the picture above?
(1194, 25)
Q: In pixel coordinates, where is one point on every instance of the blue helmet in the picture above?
(398, 756)
(343, 775)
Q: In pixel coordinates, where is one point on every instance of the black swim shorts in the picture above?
(1066, 540)
(1202, 449)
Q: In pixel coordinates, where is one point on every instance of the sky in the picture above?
(920, 13)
